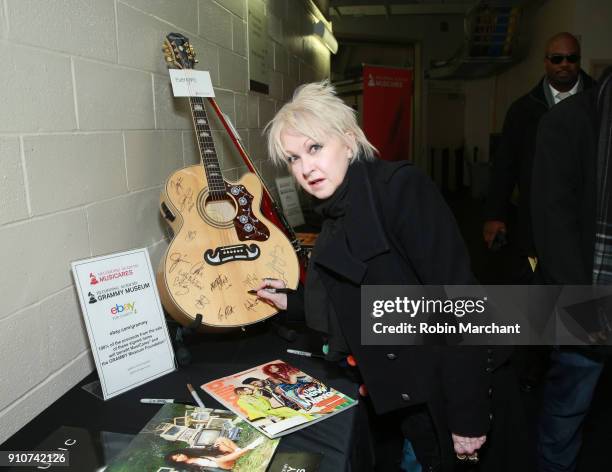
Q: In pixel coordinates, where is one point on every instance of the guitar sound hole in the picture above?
(220, 211)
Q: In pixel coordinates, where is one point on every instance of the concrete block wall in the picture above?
(89, 131)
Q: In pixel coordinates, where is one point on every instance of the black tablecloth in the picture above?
(342, 439)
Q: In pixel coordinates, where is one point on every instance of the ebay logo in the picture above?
(123, 309)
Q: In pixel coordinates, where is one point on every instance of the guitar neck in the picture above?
(206, 147)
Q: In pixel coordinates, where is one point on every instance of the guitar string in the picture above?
(216, 188)
(215, 180)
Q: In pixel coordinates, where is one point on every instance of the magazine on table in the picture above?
(278, 398)
(186, 438)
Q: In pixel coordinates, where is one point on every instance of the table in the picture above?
(343, 439)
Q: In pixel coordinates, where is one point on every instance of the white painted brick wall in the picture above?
(30, 369)
(180, 13)
(151, 156)
(207, 55)
(12, 185)
(170, 113)
(69, 170)
(3, 21)
(37, 256)
(141, 37)
(239, 38)
(128, 221)
(215, 23)
(63, 314)
(36, 93)
(242, 114)
(233, 71)
(79, 27)
(266, 111)
(89, 131)
(237, 7)
(112, 97)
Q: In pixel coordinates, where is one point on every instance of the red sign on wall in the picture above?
(387, 110)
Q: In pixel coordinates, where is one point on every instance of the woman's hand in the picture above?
(465, 445)
(279, 300)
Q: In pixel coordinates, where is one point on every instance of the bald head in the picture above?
(562, 61)
(562, 38)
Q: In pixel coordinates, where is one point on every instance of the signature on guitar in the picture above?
(251, 305)
(220, 282)
(185, 280)
(176, 259)
(202, 301)
(224, 314)
(277, 263)
(251, 280)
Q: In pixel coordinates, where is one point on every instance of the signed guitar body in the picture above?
(222, 247)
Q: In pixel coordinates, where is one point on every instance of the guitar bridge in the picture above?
(225, 254)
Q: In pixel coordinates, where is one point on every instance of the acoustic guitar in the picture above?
(222, 246)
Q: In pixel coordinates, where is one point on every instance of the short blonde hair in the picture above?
(316, 111)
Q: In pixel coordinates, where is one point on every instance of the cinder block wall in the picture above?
(89, 131)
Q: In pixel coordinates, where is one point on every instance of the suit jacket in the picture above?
(513, 162)
(398, 230)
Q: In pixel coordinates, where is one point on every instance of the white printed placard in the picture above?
(290, 201)
(124, 320)
(191, 83)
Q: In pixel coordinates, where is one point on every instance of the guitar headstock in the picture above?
(179, 52)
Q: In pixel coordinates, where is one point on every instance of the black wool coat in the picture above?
(513, 162)
(564, 200)
(398, 230)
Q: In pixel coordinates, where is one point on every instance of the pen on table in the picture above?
(195, 396)
(305, 353)
(273, 290)
(162, 401)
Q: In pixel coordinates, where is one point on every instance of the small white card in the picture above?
(290, 200)
(124, 319)
(191, 83)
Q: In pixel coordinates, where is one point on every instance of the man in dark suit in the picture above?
(513, 164)
(572, 230)
(514, 159)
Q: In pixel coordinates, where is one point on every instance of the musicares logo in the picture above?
(126, 309)
(110, 275)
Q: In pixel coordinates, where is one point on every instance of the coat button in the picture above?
(490, 392)
(405, 397)
(491, 416)
(488, 370)
(489, 351)
(391, 356)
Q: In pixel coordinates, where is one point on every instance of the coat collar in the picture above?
(538, 92)
(361, 235)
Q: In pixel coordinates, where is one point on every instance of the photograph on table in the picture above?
(277, 398)
(184, 438)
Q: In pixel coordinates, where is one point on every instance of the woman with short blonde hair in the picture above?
(384, 223)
